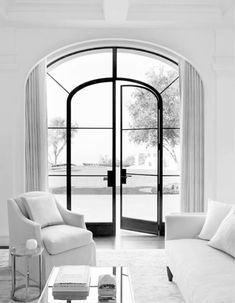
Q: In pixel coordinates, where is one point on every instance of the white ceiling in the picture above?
(130, 13)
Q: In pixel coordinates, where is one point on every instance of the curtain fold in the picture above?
(192, 139)
(36, 130)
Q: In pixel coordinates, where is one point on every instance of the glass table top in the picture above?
(22, 251)
(123, 286)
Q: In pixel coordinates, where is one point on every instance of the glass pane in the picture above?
(57, 186)
(91, 150)
(56, 104)
(171, 151)
(83, 67)
(139, 108)
(139, 199)
(171, 196)
(92, 197)
(57, 151)
(171, 106)
(92, 106)
(140, 66)
(139, 151)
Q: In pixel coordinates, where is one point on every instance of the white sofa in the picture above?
(202, 273)
(67, 244)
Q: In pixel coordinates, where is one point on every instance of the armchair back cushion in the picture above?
(43, 210)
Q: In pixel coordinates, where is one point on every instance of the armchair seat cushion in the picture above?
(60, 238)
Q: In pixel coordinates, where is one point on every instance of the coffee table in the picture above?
(123, 286)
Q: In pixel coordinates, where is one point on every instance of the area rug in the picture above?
(147, 269)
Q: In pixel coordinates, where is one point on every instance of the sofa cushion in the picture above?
(216, 212)
(224, 238)
(203, 274)
(43, 209)
(60, 238)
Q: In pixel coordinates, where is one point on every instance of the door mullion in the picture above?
(114, 89)
(121, 152)
(160, 167)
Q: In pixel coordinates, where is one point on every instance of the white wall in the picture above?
(211, 53)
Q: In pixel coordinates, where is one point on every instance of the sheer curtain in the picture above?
(192, 139)
(36, 130)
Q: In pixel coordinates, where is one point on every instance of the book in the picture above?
(72, 281)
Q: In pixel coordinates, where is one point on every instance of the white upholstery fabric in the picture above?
(216, 212)
(224, 238)
(21, 228)
(84, 255)
(202, 273)
(184, 225)
(43, 210)
(60, 238)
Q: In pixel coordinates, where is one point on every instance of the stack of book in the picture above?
(72, 283)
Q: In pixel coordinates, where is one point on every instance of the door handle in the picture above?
(124, 176)
(110, 178)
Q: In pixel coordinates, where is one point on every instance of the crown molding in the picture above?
(100, 13)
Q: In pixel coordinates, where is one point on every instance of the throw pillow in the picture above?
(216, 212)
(224, 238)
(43, 210)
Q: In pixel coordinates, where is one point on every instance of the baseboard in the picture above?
(4, 241)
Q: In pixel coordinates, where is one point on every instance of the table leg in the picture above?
(40, 273)
(27, 275)
(13, 275)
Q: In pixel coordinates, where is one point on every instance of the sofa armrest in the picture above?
(184, 225)
(71, 218)
(20, 227)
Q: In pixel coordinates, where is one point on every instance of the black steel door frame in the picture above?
(102, 228)
(110, 228)
(139, 225)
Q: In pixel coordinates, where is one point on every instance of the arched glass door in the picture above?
(141, 164)
(117, 138)
(92, 157)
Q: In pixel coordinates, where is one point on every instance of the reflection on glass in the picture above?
(57, 151)
(92, 197)
(92, 148)
(57, 186)
(56, 103)
(171, 106)
(92, 106)
(171, 151)
(82, 68)
(139, 151)
(139, 109)
(123, 285)
(139, 199)
(171, 195)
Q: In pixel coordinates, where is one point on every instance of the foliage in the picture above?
(143, 111)
(57, 139)
(107, 161)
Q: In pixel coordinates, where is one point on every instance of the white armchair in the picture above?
(69, 243)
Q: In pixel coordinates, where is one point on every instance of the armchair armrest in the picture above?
(184, 225)
(20, 227)
(71, 218)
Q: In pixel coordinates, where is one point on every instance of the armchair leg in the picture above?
(169, 274)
